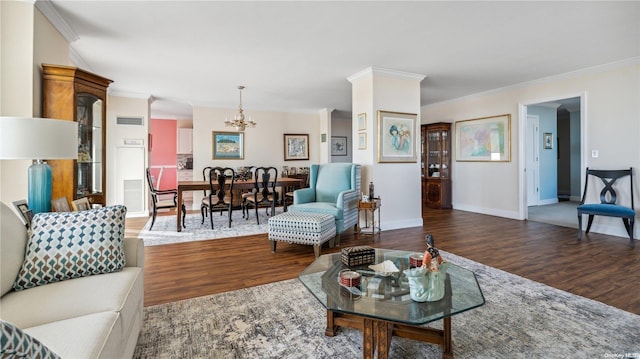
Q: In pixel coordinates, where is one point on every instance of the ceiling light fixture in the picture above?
(238, 122)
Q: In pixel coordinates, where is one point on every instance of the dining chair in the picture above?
(158, 203)
(204, 202)
(221, 181)
(288, 195)
(264, 192)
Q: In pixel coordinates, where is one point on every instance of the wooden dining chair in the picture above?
(264, 192)
(158, 203)
(288, 195)
(221, 181)
(204, 202)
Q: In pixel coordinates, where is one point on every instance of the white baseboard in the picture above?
(405, 223)
(544, 202)
(489, 211)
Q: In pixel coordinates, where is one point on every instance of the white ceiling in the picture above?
(296, 56)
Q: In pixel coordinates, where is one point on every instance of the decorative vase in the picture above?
(426, 285)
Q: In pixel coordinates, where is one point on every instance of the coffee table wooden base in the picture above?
(376, 333)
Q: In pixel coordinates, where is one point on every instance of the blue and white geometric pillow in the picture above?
(66, 245)
(17, 344)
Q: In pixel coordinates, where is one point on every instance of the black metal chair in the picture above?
(221, 181)
(608, 205)
(158, 203)
(264, 192)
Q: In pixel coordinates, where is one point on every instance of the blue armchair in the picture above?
(334, 188)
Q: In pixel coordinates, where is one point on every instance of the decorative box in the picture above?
(359, 255)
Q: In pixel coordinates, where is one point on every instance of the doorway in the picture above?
(553, 159)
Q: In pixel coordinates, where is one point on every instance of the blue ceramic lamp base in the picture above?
(40, 187)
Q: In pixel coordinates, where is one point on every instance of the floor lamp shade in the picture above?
(37, 139)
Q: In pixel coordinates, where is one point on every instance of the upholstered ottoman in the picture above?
(302, 228)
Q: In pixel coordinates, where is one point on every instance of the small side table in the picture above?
(369, 210)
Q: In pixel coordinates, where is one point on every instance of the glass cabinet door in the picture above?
(89, 163)
(437, 153)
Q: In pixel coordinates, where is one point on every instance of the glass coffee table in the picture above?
(381, 306)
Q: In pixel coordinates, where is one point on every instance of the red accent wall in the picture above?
(163, 152)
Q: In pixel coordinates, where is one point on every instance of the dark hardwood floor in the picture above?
(600, 267)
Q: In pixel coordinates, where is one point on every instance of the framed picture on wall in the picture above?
(362, 121)
(228, 145)
(548, 140)
(296, 147)
(362, 141)
(397, 137)
(338, 145)
(484, 139)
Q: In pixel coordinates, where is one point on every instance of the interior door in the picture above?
(533, 162)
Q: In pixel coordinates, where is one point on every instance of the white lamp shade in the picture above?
(25, 138)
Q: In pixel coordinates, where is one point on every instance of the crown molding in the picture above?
(78, 60)
(387, 73)
(566, 76)
(47, 9)
(118, 93)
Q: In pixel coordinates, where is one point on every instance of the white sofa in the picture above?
(96, 316)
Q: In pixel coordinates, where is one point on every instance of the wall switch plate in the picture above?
(594, 153)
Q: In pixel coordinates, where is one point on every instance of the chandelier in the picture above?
(238, 121)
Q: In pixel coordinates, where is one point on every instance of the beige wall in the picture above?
(264, 144)
(612, 126)
(27, 40)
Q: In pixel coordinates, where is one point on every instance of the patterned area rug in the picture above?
(164, 230)
(521, 319)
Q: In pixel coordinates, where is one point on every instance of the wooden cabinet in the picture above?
(436, 164)
(72, 94)
(185, 141)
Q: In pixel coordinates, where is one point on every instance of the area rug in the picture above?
(521, 319)
(164, 230)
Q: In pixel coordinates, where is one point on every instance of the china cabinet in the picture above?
(436, 164)
(72, 94)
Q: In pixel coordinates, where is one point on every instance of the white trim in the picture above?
(522, 111)
(78, 60)
(405, 223)
(488, 211)
(565, 76)
(49, 11)
(385, 72)
(544, 202)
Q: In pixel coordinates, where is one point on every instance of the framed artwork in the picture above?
(362, 121)
(484, 139)
(397, 136)
(81, 204)
(60, 205)
(26, 215)
(296, 147)
(228, 145)
(548, 140)
(338, 145)
(362, 141)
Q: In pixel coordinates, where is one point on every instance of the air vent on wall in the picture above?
(133, 121)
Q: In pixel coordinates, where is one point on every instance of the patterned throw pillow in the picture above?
(66, 245)
(17, 344)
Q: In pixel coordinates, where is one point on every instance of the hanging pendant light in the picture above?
(238, 121)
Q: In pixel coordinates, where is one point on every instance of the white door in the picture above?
(533, 164)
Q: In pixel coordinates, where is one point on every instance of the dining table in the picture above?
(239, 184)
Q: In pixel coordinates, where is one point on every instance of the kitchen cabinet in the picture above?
(185, 141)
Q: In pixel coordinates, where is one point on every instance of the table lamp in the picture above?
(37, 139)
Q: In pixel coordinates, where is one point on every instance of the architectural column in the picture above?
(398, 183)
